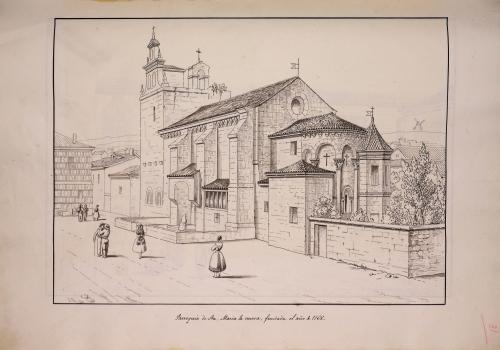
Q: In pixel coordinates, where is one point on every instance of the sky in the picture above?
(397, 66)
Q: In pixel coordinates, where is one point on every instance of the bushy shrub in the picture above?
(325, 208)
(360, 215)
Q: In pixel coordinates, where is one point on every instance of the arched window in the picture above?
(158, 198)
(297, 105)
(326, 156)
(201, 79)
(149, 196)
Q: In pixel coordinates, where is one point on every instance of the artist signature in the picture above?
(490, 329)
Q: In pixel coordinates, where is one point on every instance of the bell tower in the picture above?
(165, 97)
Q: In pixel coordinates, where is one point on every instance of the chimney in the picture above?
(131, 151)
(74, 137)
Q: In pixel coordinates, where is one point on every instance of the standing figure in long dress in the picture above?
(85, 211)
(217, 261)
(98, 239)
(96, 213)
(139, 246)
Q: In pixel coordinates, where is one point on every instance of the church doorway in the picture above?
(181, 193)
(319, 244)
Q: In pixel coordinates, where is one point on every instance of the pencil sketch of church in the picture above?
(280, 173)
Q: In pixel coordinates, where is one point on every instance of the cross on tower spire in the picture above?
(198, 51)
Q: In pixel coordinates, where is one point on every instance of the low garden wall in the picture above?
(410, 251)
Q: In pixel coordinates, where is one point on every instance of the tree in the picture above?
(218, 89)
(418, 193)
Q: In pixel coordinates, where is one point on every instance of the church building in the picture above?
(253, 165)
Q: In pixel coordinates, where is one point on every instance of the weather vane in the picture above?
(370, 112)
(296, 65)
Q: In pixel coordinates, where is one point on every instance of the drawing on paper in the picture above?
(316, 200)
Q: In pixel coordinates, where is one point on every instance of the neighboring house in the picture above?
(125, 191)
(72, 175)
(236, 166)
(404, 152)
(101, 168)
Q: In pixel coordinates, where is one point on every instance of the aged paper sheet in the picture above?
(185, 175)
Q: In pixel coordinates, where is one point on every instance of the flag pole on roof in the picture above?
(296, 65)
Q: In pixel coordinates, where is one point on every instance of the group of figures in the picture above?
(101, 241)
(82, 211)
(101, 247)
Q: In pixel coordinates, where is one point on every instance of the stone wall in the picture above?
(287, 192)
(402, 250)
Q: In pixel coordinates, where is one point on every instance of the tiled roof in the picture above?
(437, 153)
(219, 184)
(322, 123)
(300, 168)
(187, 171)
(252, 98)
(62, 141)
(115, 158)
(170, 67)
(132, 171)
(374, 141)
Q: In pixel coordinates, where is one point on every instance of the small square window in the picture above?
(266, 207)
(293, 215)
(216, 218)
(293, 148)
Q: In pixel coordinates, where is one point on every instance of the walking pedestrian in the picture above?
(139, 245)
(217, 262)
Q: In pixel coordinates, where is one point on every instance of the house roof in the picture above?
(62, 141)
(374, 141)
(129, 172)
(299, 168)
(329, 122)
(187, 171)
(437, 153)
(114, 159)
(218, 184)
(252, 98)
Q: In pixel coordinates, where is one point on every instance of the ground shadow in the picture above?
(114, 256)
(238, 276)
(152, 257)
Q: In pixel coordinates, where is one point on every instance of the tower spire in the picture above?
(198, 51)
(153, 35)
